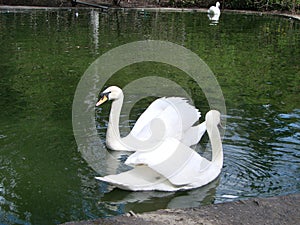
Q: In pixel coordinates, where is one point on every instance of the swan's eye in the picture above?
(103, 95)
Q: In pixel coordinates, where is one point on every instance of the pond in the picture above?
(44, 53)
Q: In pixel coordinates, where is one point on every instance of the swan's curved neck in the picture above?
(113, 139)
(216, 144)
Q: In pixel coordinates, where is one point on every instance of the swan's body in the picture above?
(214, 10)
(214, 18)
(165, 117)
(172, 166)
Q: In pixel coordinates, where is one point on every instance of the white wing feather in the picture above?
(176, 114)
(178, 163)
(139, 178)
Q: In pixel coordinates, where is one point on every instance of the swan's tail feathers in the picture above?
(141, 178)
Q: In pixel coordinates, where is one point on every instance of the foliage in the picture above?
(289, 5)
(116, 2)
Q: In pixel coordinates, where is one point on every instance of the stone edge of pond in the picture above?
(267, 211)
(158, 9)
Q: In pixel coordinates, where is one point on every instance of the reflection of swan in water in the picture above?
(174, 114)
(173, 166)
(153, 200)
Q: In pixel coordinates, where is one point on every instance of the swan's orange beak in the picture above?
(102, 100)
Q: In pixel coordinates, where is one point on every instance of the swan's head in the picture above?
(213, 117)
(110, 93)
(218, 4)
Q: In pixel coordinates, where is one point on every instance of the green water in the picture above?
(44, 53)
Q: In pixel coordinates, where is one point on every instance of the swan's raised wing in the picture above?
(176, 115)
(177, 162)
(188, 114)
(153, 110)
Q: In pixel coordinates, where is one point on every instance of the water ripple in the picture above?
(257, 165)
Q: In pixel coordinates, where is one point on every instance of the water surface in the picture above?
(44, 53)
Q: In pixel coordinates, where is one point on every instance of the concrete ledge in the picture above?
(268, 211)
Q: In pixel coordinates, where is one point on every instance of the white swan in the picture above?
(214, 18)
(215, 10)
(173, 166)
(175, 115)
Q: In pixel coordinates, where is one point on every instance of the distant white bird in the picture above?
(173, 166)
(164, 118)
(214, 10)
(213, 18)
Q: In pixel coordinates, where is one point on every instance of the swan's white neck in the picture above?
(113, 138)
(216, 145)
